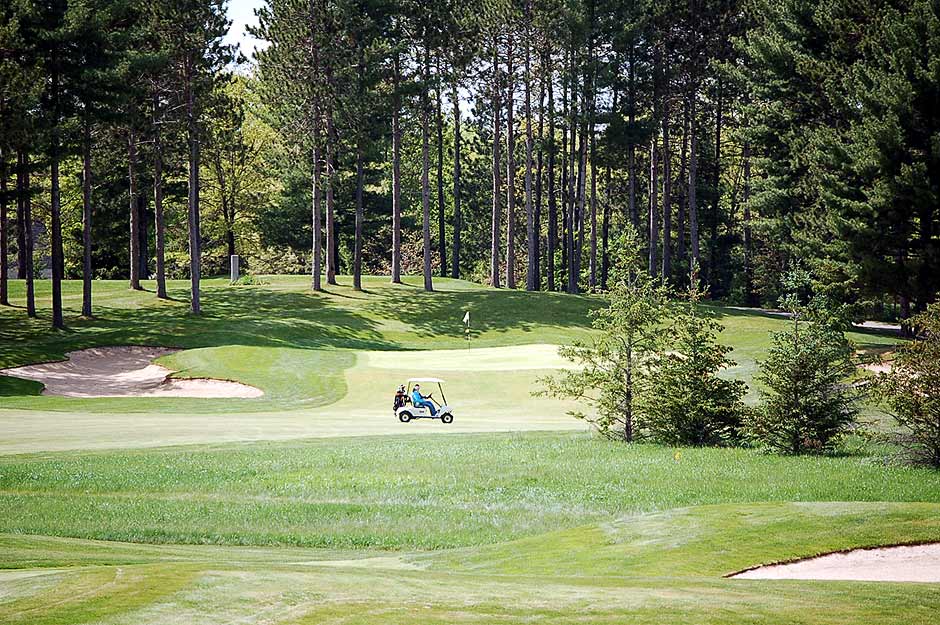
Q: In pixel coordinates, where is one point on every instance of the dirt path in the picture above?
(123, 372)
(914, 563)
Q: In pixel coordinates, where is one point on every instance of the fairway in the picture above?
(313, 504)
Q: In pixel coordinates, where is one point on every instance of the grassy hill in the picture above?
(288, 509)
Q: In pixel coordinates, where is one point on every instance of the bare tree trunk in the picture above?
(574, 265)
(86, 218)
(4, 231)
(510, 166)
(330, 200)
(565, 174)
(532, 267)
(592, 276)
(748, 251)
(133, 208)
(20, 221)
(159, 225)
(582, 196)
(667, 196)
(653, 267)
(552, 199)
(425, 167)
(316, 265)
(360, 178)
(357, 245)
(458, 224)
(195, 236)
(58, 264)
(608, 197)
(396, 170)
(497, 186)
(632, 207)
(716, 202)
(25, 210)
(683, 189)
(693, 182)
(540, 172)
(439, 123)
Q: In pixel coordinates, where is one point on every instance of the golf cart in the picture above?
(409, 411)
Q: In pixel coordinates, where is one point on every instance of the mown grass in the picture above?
(296, 345)
(410, 492)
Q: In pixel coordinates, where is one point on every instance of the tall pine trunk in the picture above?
(396, 168)
(563, 181)
(495, 229)
(86, 217)
(25, 214)
(195, 236)
(425, 167)
(667, 196)
(683, 189)
(330, 193)
(532, 250)
(693, 184)
(592, 274)
(632, 207)
(439, 127)
(653, 267)
(748, 245)
(716, 183)
(540, 172)
(552, 195)
(4, 231)
(159, 225)
(458, 224)
(360, 177)
(510, 166)
(316, 226)
(574, 265)
(134, 209)
(58, 265)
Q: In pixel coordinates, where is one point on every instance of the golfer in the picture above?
(419, 400)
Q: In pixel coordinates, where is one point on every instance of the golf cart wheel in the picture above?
(404, 417)
(447, 418)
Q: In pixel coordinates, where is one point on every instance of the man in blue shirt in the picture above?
(419, 400)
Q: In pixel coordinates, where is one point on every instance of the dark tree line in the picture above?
(506, 141)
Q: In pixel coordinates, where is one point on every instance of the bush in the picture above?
(614, 369)
(692, 405)
(250, 280)
(912, 388)
(807, 402)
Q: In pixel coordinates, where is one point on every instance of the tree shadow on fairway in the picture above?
(230, 316)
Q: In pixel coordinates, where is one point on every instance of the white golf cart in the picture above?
(408, 411)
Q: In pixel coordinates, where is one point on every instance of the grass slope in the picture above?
(466, 528)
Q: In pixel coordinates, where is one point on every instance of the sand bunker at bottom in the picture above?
(909, 563)
(123, 372)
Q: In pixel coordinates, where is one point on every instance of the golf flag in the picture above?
(466, 331)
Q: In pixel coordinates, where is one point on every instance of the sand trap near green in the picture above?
(490, 390)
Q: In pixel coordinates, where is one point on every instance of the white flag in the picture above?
(466, 318)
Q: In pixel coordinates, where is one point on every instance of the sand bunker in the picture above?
(123, 372)
(912, 563)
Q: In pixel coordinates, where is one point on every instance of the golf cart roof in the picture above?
(431, 380)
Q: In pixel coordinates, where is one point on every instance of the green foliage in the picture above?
(614, 369)
(250, 279)
(912, 388)
(807, 401)
(691, 404)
